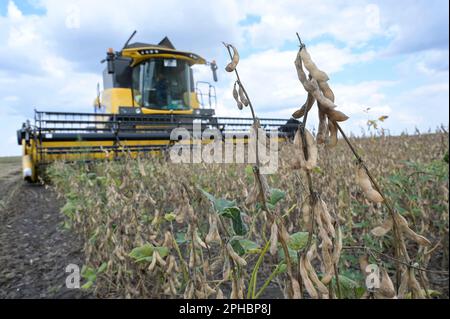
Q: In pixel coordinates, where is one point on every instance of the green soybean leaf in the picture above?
(180, 238)
(87, 285)
(276, 195)
(142, 252)
(145, 252)
(249, 170)
(237, 247)
(220, 204)
(239, 227)
(292, 254)
(88, 273)
(348, 286)
(250, 247)
(102, 268)
(282, 268)
(170, 217)
(298, 240)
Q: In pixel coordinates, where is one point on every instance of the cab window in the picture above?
(162, 84)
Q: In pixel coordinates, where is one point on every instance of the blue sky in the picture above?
(389, 56)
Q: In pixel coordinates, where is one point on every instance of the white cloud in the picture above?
(334, 59)
(352, 22)
(271, 79)
(356, 98)
(10, 98)
(11, 121)
(431, 89)
(415, 26)
(13, 12)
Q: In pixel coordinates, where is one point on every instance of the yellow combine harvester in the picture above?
(148, 90)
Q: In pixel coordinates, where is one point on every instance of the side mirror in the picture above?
(214, 70)
(110, 61)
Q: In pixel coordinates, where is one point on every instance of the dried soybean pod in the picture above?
(311, 66)
(213, 234)
(309, 86)
(265, 191)
(219, 294)
(383, 228)
(236, 97)
(421, 240)
(337, 116)
(189, 291)
(226, 270)
(215, 266)
(416, 291)
(362, 179)
(273, 238)
(312, 273)
(326, 218)
(409, 232)
(326, 105)
(322, 131)
(180, 214)
(192, 259)
(313, 87)
(234, 289)
(170, 264)
(282, 233)
(364, 182)
(300, 72)
(386, 289)
(200, 294)
(326, 90)
(159, 260)
(295, 289)
(299, 157)
(306, 280)
(235, 60)
(306, 106)
(153, 263)
(198, 240)
(404, 284)
(333, 139)
(363, 263)
(255, 195)
(208, 289)
(168, 239)
(252, 196)
(235, 93)
(306, 214)
(241, 288)
(242, 95)
(173, 290)
(326, 240)
(337, 246)
(328, 264)
(238, 259)
(312, 151)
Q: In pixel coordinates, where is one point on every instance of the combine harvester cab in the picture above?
(148, 90)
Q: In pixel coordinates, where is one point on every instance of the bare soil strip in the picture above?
(34, 247)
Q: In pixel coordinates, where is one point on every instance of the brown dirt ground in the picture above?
(34, 247)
